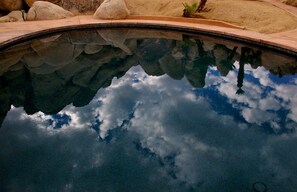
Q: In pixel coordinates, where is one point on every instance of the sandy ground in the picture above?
(252, 14)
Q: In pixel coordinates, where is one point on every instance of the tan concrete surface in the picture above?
(288, 8)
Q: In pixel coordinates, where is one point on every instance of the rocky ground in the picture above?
(254, 15)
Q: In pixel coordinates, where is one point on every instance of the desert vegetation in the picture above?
(191, 10)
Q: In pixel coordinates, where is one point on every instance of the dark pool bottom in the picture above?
(135, 110)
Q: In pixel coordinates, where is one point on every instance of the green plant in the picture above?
(192, 10)
(188, 43)
(189, 10)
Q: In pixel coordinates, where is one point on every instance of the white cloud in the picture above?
(188, 139)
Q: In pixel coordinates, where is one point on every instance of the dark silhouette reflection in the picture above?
(226, 64)
(240, 75)
(247, 56)
(48, 74)
(197, 73)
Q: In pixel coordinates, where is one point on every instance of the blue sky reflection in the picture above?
(148, 133)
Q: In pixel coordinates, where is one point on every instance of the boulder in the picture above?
(13, 16)
(31, 2)
(42, 10)
(11, 5)
(74, 6)
(81, 6)
(112, 9)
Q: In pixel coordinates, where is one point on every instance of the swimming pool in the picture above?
(146, 110)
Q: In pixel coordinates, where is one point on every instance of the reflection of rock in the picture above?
(93, 63)
(255, 58)
(78, 81)
(36, 65)
(116, 39)
(112, 9)
(224, 59)
(13, 86)
(197, 72)
(51, 93)
(221, 52)
(151, 68)
(86, 37)
(48, 74)
(11, 5)
(12, 56)
(172, 67)
(278, 64)
(150, 51)
(42, 10)
(196, 68)
(49, 52)
(8, 61)
(4, 103)
(83, 97)
(115, 68)
(13, 16)
(92, 49)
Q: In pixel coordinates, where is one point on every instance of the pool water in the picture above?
(145, 110)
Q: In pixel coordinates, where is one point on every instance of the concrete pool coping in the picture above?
(17, 32)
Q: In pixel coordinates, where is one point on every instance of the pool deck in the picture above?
(15, 32)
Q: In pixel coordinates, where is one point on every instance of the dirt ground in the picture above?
(251, 14)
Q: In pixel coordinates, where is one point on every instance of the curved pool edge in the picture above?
(14, 33)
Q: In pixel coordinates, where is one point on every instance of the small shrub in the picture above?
(189, 10)
(192, 10)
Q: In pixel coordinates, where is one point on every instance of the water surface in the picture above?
(134, 110)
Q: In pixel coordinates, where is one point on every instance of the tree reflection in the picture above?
(240, 76)
(227, 64)
(200, 66)
(247, 55)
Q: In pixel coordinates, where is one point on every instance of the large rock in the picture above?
(13, 16)
(11, 5)
(31, 2)
(74, 6)
(42, 10)
(81, 6)
(112, 9)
